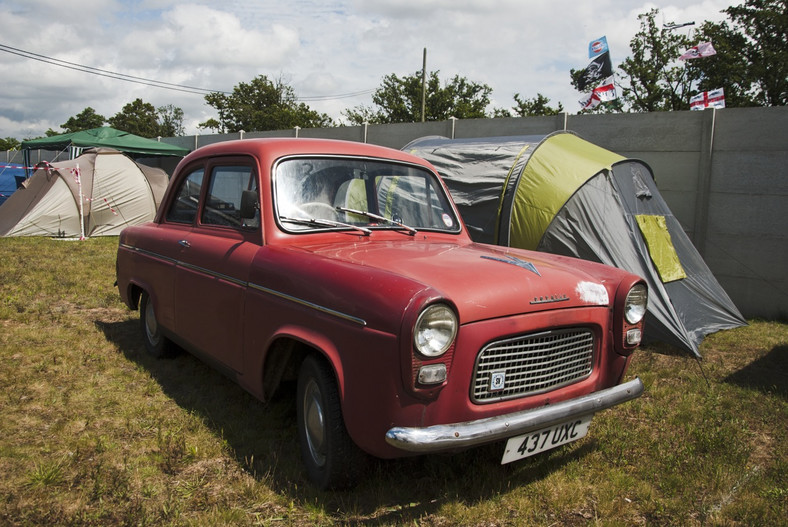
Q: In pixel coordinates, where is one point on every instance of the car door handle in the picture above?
(184, 243)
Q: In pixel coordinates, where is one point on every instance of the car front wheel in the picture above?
(332, 460)
(156, 344)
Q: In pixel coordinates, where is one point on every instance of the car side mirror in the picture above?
(249, 204)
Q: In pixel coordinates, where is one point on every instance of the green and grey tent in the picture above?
(564, 195)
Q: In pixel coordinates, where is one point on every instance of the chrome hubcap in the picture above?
(151, 326)
(314, 423)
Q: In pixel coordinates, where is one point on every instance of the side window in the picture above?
(184, 207)
(223, 203)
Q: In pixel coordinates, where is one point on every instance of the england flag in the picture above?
(708, 99)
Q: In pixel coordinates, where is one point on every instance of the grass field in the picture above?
(94, 432)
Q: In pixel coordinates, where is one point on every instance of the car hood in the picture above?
(482, 281)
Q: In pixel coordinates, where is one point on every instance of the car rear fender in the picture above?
(134, 289)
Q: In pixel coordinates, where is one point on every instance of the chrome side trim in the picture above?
(148, 253)
(214, 274)
(360, 321)
(471, 433)
(344, 316)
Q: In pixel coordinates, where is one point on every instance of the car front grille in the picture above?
(531, 364)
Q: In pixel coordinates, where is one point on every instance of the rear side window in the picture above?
(184, 207)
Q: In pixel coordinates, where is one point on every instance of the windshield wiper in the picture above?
(373, 216)
(325, 223)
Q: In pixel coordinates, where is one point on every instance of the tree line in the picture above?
(751, 64)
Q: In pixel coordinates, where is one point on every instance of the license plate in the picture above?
(530, 444)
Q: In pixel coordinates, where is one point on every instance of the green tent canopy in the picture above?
(106, 137)
(564, 195)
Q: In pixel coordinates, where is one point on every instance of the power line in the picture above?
(152, 82)
(332, 97)
(106, 73)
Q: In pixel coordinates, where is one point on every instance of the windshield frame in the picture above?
(440, 202)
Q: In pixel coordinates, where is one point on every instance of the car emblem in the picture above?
(515, 261)
(497, 381)
(549, 299)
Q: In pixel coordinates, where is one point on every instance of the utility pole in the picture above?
(424, 86)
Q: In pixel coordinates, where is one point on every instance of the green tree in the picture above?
(137, 117)
(398, 100)
(84, 120)
(655, 80)
(751, 63)
(262, 104)
(170, 120)
(10, 143)
(535, 107)
(211, 124)
(144, 119)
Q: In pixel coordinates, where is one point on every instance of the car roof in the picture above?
(273, 148)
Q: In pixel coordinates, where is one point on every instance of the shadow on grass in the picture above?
(262, 438)
(768, 375)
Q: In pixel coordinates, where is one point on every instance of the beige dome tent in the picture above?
(115, 192)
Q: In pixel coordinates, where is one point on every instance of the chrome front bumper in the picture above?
(440, 438)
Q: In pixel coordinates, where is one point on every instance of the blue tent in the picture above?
(11, 176)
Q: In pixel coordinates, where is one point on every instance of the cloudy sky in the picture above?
(334, 53)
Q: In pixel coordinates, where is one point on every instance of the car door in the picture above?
(213, 267)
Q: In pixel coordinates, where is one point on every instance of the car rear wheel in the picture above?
(331, 458)
(156, 344)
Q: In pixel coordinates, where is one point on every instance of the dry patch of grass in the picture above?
(94, 432)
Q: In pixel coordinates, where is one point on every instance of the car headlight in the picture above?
(635, 304)
(435, 330)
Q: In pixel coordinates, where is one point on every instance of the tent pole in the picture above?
(26, 161)
(81, 205)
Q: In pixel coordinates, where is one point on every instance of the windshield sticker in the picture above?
(592, 293)
(447, 221)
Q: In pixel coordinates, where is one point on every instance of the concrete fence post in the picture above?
(704, 180)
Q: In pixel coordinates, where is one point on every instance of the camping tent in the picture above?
(105, 136)
(115, 192)
(564, 195)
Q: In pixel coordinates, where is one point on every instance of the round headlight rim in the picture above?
(417, 329)
(641, 290)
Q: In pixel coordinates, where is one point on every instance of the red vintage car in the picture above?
(346, 267)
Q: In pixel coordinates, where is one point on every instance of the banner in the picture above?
(599, 68)
(597, 47)
(704, 49)
(602, 93)
(708, 99)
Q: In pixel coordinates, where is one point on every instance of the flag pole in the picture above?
(424, 86)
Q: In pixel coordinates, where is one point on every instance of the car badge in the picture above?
(549, 299)
(515, 261)
(497, 381)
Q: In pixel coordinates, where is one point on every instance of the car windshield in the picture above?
(360, 195)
